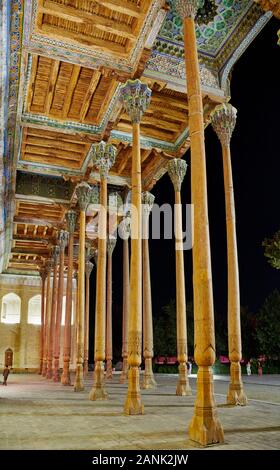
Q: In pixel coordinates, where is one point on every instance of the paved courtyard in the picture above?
(39, 414)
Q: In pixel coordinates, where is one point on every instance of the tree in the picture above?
(165, 337)
(268, 326)
(272, 250)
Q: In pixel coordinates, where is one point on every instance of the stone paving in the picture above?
(39, 414)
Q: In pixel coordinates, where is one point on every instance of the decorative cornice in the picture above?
(147, 200)
(42, 186)
(111, 243)
(88, 268)
(63, 239)
(186, 8)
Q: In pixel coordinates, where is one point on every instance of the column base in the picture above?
(65, 377)
(79, 379)
(148, 379)
(109, 369)
(133, 404)
(56, 377)
(205, 427)
(236, 394)
(98, 391)
(183, 386)
(49, 373)
(123, 376)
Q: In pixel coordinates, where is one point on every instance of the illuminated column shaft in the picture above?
(47, 318)
(83, 191)
(135, 98)
(55, 254)
(148, 344)
(125, 233)
(177, 170)
(103, 159)
(205, 427)
(88, 270)
(62, 242)
(43, 274)
(223, 122)
(71, 218)
(111, 243)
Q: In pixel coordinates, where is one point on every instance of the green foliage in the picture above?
(268, 326)
(272, 250)
(165, 336)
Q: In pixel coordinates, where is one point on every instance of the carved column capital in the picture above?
(111, 243)
(71, 219)
(43, 273)
(55, 253)
(63, 239)
(187, 8)
(103, 157)
(223, 119)
(88, 268)
(125, 227)
(135, 96)
(147, 202)
(49, 266)
(177, 169)
(83, 191)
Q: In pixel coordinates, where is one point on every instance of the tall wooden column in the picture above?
(71, 218)
(205, 427)
(88, 270)
(177, 170)
(223, 121)
(55, 255)
(124, 232)
(47, 317)
(148, 343)
(103, 158)
(83, 191)
(135, 98)
(43, 274)
(111, 243)
(63, 238)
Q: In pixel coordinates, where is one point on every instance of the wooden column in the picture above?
(205, 428)
(103, 159)
(135, 97)
(111, 243)
(55, 255)
(124, 232)
(88, 270)
(71, 218)
(43, 274)
(223, 121)
(83, 192)
(62, 243)
(177, 170)
(148, 343)
(47, 317)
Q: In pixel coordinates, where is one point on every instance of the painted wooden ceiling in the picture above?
(64, 63)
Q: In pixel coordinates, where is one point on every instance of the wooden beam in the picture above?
(58, 145)
(53, 152)
(145, 154)
(32, 82)
(87, 40)
(125, 157)
(32, 220)
(51, 86)
(83, 17)
(52, 161)
(122, 6)
(166, 100)
(89, 94)
(70, 90)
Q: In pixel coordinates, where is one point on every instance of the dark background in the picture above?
(255, 152)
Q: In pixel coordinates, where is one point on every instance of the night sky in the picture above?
(255, 153)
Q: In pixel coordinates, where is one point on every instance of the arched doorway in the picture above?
(9, 354)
